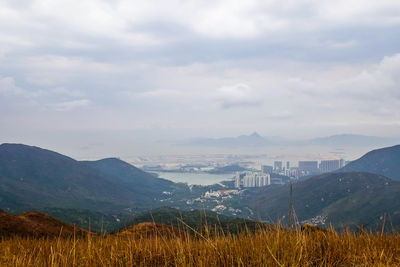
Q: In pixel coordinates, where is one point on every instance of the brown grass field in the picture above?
(266, 247)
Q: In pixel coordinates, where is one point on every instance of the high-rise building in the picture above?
(329, 165)
(295, 173)
(266, 169)
(308, 166)
(277, 166)
(237, 180)
(253, 179)
(287, 165)
(342, 163)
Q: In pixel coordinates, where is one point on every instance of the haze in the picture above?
(103, 78)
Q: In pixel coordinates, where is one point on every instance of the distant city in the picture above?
(305, 168)
(246, 170)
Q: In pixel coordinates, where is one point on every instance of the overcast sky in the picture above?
(79, 74)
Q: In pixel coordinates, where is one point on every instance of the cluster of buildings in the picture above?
(280, 169)
(304, 167)
(252, 179)
(220, 193)
(315, 167)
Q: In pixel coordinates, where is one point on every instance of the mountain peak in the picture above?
(255, 134)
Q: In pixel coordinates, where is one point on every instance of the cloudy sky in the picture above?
(75, 75)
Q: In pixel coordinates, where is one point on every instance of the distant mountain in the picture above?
(353, 140)
(384, 161)
(32, 178)
(243, 140)
(35, 224)
(341, 199)
(255, 140)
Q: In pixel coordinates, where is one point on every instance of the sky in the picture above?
(114, 77)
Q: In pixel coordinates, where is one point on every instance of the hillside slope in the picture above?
(340, 199)
(144, 185)
(35, 224)
(151, 230)
(384, 161)
(32, 178)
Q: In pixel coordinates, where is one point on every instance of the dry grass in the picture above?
(268, 247)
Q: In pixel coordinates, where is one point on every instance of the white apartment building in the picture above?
(252, 179)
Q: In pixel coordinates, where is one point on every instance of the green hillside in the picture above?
(384, 161)
(340, 199)
(32, 178)
(143, 186)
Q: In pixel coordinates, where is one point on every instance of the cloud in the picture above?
(67, 92)
(70, 105)
(161, 94)
(379, 82)
(8, 87)
(135, 23)
(53, 69)
(372, 89)
(238, 95)
(225, 65)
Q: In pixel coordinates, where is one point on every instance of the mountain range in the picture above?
(352, 140)
(251, 140)
(256, 140)
(366, 192)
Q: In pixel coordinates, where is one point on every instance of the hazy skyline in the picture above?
(79, 74)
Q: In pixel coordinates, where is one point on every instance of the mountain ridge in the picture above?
(384, 161)
(35, 178)
(353, 140)
(254, 139)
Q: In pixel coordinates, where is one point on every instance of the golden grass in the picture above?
(268, 247)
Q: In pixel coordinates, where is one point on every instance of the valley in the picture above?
(107, 194)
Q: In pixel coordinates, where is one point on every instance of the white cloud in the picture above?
(238, 95)
(380, 82)
(372, 90)
(125, 21)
